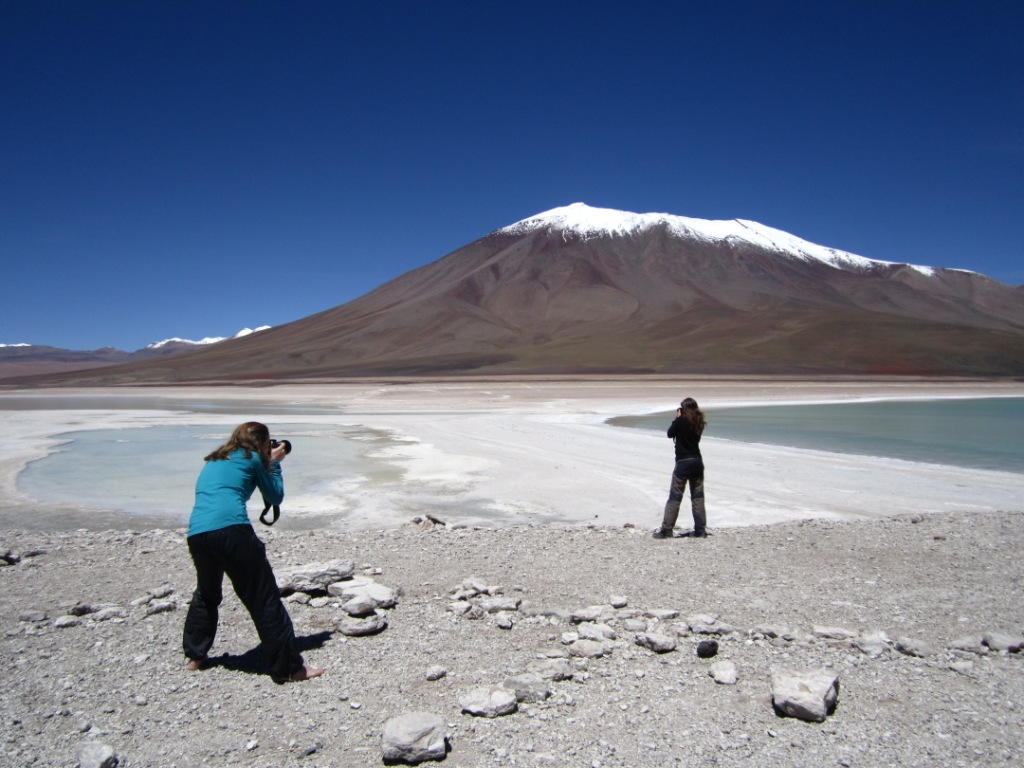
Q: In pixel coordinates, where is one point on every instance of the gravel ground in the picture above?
(121, 681)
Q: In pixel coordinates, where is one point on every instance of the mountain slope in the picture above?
(579, 289)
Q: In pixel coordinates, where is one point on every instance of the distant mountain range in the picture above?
(580, 290)
(35, 359)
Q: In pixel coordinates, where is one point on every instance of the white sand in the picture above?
(537, 451)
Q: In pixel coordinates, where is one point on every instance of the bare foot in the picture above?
(306, 673)
(193, 665)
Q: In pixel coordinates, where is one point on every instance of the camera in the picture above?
(286, 443)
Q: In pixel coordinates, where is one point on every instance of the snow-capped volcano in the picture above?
(587, 222)
(583, 290)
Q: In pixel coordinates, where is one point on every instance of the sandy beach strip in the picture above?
(531, 451)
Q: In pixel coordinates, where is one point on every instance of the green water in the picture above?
(983, 433)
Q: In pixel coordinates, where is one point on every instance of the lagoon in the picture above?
(983, 433)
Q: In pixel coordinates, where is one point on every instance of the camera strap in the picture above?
(277, 514)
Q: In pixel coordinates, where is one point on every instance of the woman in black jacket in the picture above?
(686, 431)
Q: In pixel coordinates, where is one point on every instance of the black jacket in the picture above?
(687, 440)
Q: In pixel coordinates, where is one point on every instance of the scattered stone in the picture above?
(414, 738)
(834, 633)
(161, 606)
(530, 688)
(359, 606)
(551, 669)
(489, 701)
(109, 613)
(635, 625)
(94, 754)
(707, 648)
(810, 695)
(592, 631)
(912, 647)
(63, 622)
(618, 601)
(588, 649)
(663, 614)
(1001, 641)
(657, 642)
(504, 621)
(969, 644)
(314, 577)
(592, 613)
(364, 586)
(771, 632)
(873, 644)
(436, 673)
(724, 673)
(962, 666)
(164, 590)
(7, 557)
(371, 625)
(498, 604)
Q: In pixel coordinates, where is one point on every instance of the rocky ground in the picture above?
(90, 648)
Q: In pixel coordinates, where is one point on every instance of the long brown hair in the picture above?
(252, 437)
(694, 415)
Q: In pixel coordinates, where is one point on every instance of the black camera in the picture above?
(286, 443)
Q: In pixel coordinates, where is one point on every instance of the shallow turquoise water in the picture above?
(983, 433)
(152, 470)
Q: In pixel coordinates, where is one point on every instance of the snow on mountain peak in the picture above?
(585, 221)
(207, 340)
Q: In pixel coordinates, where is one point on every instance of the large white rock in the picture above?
(807, 695)
(414, 738)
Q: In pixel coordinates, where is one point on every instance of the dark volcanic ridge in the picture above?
(581, 290)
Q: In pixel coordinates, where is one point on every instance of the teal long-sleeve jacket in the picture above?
(225, 485)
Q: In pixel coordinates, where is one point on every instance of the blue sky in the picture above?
(186, 169)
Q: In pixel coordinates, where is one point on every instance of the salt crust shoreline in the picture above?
(528, 451)
(937, 577)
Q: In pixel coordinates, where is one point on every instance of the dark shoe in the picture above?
(702, 534)
(661, 533)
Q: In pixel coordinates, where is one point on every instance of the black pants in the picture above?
(238, 552)
(687, 471)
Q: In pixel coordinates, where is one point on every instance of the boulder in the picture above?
(414, 738)
(807, 695)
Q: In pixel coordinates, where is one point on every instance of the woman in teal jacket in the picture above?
(221, 540)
